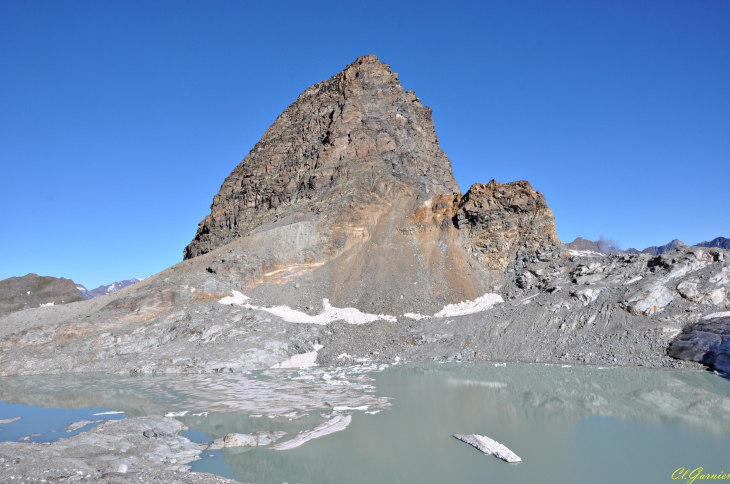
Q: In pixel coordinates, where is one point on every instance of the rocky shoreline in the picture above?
(141, 449)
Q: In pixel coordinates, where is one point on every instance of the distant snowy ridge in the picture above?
(102, 290)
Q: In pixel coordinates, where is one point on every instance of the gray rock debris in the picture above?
(114, 450)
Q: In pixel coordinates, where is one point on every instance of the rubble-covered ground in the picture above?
(115, 452)
(621, 309)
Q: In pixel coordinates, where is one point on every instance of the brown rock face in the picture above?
(344, 142)
(31, 290)
(349, 194)
(506, 222)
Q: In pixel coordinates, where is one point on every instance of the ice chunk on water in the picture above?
(489, 447)
(337, 423)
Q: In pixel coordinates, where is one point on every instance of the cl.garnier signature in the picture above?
(691, 474)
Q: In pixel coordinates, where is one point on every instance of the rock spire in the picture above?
(359, 131)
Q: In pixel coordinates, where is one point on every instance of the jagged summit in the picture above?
(352, 139)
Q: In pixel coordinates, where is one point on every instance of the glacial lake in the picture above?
(569, 424)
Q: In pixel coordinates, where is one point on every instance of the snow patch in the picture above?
(469, 307)
(586, 253)
(416, 316)
(46, 305)
(328, 315)
(235, 298)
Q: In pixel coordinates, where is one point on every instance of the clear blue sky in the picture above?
(120, 120)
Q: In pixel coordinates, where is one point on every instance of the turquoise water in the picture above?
(568, 424)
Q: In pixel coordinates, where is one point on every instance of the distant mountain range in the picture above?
(101, 290)
(582, 246)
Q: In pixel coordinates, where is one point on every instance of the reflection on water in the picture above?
(568, 424)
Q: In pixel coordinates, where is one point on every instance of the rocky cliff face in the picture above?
(349, 190)
(32, 291)
(344, 142)
(506, 223)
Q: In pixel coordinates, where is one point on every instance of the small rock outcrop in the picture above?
(707, 342)
(506, 222)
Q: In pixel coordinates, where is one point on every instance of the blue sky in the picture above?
(120, 120)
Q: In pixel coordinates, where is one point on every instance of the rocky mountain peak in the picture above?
(354, 139)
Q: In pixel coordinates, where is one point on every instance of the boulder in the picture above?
(706, 342)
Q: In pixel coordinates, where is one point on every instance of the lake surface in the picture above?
(569, 424)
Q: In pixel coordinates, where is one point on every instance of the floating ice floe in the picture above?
(256, 439)
(177, 414)
(345, 408)
(9, 420)
(476, 383)
(108, 413)
(489, 447)
(337, 423)
(328, 315)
